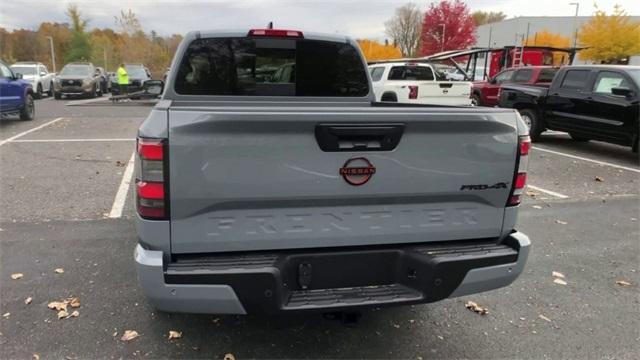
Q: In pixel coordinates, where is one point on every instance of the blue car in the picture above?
(16, 95)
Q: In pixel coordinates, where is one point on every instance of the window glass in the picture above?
(4, 71)
(423, 73)
(607, 80)
(24, 69)
(504, 76)
(271, 67)
(76, 70)
(546, 75)
(575, 79)
(376, 73)
(523, 76)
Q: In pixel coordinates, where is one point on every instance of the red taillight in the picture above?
(520, 178)
(152, 202)
(525, 145)
(521, 181)
(413, 92)
(150, 149)
(276, 33)
(151, 190)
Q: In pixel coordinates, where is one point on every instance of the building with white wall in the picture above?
(511, 31)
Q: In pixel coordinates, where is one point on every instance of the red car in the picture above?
(485, 93)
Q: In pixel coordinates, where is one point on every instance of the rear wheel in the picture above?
(28, 111)
(389, 97)
(579, 138)
(475, 100)
(530, 117)
(39, 91)
(50, 92)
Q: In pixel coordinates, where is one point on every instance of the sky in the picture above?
(356, 18)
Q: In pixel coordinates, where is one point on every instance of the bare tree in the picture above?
(404, 29)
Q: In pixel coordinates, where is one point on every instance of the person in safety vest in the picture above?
(123, 79)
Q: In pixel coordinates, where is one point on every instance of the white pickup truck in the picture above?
(416, 83)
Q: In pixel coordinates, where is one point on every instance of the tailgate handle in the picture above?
(359, 137)
(446, 85)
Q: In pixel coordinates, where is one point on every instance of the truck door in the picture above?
(613, 115)
(10, 89)
(568, 101)
(490, 91)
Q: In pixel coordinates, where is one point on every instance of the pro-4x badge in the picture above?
(357, 171)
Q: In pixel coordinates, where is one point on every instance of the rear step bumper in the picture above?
(329, 279)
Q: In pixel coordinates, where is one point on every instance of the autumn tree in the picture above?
(547, 38)
(373, 50)
(404, 29)
(447, 25)
(80, 46)
(609, 38)
(484, 17)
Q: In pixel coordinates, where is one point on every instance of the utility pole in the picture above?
(53, 54)
(104, 52)
(575, 27)
(486, 57)
(443, 32)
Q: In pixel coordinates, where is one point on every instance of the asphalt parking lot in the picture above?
(66, 203)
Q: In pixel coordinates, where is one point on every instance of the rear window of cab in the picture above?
(271, 67)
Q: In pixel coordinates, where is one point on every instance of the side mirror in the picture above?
(154, 87)
(42, 73)
(493, 81)
(18, 76)
(622, 91)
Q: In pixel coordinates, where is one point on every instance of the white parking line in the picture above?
(604, 163)
(123, 190)
(548, 192)
(66, 140)
(86, 101)
(14, 137)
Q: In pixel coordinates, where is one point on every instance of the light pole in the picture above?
(575, 28)
(53, 54)
(443, 30)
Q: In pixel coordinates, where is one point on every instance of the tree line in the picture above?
(73, 41)
(450, 25)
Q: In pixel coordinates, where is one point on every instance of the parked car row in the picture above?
(78, 79)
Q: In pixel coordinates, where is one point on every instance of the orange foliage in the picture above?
(373, 50)
(547, 38)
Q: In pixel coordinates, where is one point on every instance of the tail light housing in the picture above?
(520, 176)
(152, 200)
(413, 92)
(276, 33)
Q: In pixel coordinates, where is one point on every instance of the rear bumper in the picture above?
(335, 279)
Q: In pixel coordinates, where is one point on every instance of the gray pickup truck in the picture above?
(259, 192)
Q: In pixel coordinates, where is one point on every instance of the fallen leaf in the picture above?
(115, 333)
(6, 315)
(17, 276)
(59, 270)
(623, 283)
(560, 281)
(129, 335)
(561, 222)
(537, 207)
(476, 308)
(57, 305)
(28, 300)
(557, 274)
(175, 334)
(62, 314)
(531, 193)
(544, 318)
(599, 179)
(120, 163)
(74, 302)
(36, 356)
(73, 314)
(229, 357)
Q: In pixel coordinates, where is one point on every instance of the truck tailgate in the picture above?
(256, 178)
